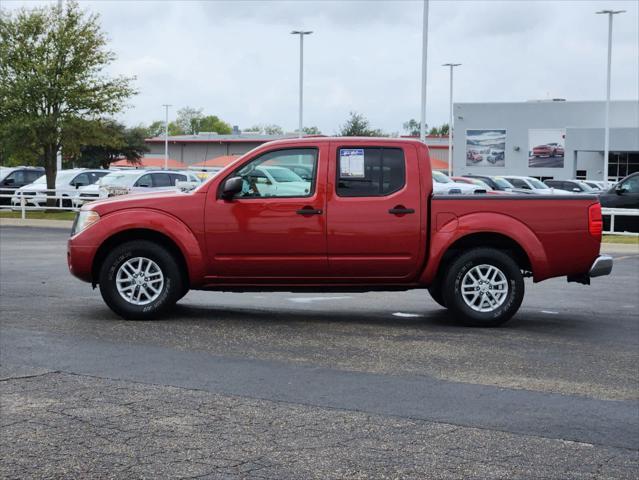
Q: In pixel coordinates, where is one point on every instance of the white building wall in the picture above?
(583, 121)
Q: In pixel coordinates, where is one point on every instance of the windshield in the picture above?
(283, 175)
(585, 187)
(119, 179)
(439, 177)
(537, 184)
(60, 179)
(502, 182)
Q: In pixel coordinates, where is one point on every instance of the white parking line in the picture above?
(549, 312)
(407, 315)
(315, 299)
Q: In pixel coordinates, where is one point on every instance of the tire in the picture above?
(436, 293)
(155, 293)
(486, 303)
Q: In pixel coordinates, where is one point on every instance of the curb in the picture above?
(620, 248)
(18, 222)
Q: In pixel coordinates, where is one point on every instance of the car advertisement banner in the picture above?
(546, 148)
(485, 148)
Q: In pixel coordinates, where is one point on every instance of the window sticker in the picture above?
(351, 163)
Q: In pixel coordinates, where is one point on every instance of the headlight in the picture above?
(84, 220)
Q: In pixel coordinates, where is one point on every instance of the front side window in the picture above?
(519, 183)
(145, 181)
(631, 185)
(177, 177)
(273, 174)
(16, 178)
(370, 171)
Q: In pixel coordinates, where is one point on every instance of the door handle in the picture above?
(401, 210)
(309, 211)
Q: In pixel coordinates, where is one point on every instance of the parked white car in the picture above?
(533, 185)
(122, 182)
(67, 185)
(443, 185)
(268, 181)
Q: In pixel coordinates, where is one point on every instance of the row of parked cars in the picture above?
(74, 187)
(623, 194)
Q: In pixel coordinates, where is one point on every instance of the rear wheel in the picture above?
(140, 280)
(483, 287)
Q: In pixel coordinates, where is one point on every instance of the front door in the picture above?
(275, 228)
(375, 212)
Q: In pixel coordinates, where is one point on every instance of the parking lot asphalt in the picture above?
(280, 385)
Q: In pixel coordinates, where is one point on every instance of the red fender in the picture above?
(455, 228)
(142, 218)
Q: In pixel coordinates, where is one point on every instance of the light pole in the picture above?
(610, 13)
(166, 136)
(422, 121)
(301, 33)
(450, 118)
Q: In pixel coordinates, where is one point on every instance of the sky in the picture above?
(237, 59)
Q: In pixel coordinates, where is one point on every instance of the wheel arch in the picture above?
(486, 230)
(138, 234)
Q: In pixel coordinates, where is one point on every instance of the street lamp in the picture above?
(610, 13)
(301, 33)
(450, 118)
(166, 136)
(422, 122)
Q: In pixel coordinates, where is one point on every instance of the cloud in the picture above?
(238, 60)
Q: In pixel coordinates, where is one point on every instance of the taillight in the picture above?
(595, 222)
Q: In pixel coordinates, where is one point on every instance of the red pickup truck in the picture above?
(363, 218)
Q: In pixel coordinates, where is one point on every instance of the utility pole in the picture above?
(301, 33)
(610, 13)
(422, 121)
(166, 136)
(450, 118)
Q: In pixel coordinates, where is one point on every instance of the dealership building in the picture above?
(545, 139)
(213, 150)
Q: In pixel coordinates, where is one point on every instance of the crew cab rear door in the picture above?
(275, 228)
(374, 211)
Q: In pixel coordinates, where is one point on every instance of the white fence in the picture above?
(614, 213)
(24, 203)
(37, 201)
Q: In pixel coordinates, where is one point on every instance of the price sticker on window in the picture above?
(351, 163)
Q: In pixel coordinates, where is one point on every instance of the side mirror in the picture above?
(619, 189)
(232, 187)
(576, 190)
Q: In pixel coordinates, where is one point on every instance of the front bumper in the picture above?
(601, 266)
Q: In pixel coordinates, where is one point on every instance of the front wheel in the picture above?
(140, 280)
(484, 287)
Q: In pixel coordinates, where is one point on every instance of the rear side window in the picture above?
(370, 172)
(161, 180)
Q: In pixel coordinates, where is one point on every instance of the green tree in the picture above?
(358, 126)
(212, 123)
(52, 63)
(112, 141)
(311, 131)
(443, 130)
(190, 121)
(412, 127)
(265, 129)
